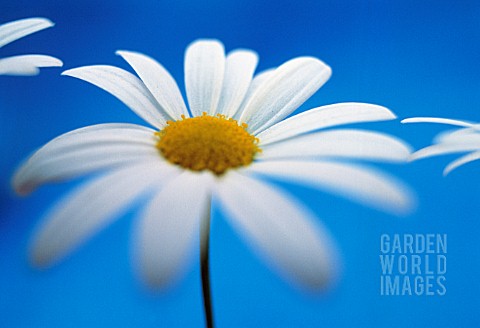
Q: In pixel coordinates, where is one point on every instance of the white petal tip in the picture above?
(27, 64)
(325, 281)
(45, 21)
(20, 188)
(404, 204)
(55, 62)
(122, 52)
(40, 22)
(22, 191)
(449, 169)
(20, 184)
(20, 28)
(452, 166)
(38, 262)
(69, 72)
(392, 115)
(407, 208)
(209, 43)
(326, 70)
(40, 259)
(438, 120)
(154, 283)
(74, 72)
(156, 280)
(206, 40)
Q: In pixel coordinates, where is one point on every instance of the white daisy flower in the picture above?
(24, 64)
(463, 140)
(232, 137)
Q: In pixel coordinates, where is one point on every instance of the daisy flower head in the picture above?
(464, 139)
(224, 147)
(24, 64)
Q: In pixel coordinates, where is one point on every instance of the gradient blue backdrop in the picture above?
(419, 58)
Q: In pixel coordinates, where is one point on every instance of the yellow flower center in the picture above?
(214, 143)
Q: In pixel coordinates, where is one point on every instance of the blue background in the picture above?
(419, 58)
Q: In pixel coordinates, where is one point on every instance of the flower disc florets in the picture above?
(214, 143)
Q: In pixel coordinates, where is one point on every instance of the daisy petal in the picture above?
(357, 183)
(86, 150)
(27, 64)
(239, 68)
(461, 161)
(126, 87)
(15, 30)
(323, 117)
(458, 136)
(445, 148)
(289, 87)
(159, 81)
(340, 143)
(169, 226)
(257, 81)
(90, 208)
(451, 134)
(282, 231)
(436, 120)
(204, 69)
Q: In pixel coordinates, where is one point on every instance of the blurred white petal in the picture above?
(357, 144)
(445, 148)
(280, 229)
(289, 87)
(85, 150)
(458, 136)
(436, 120)
(323, 117)
(27, 64)
(358, 183)
(126, 87)
(461, 161)
(169, 227)
(451, 134)
(15, 30)
(239, 68)
(159, 81)
(90, 208)
(204, 70)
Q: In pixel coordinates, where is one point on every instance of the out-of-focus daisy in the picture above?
(24, 64)
(462, 140)
(231, 138)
